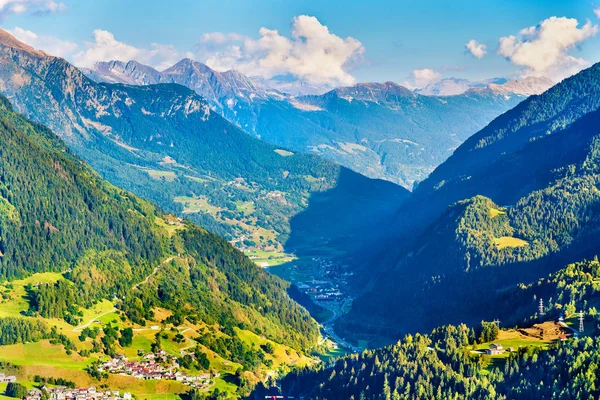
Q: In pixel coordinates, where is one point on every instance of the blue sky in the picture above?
(388, 39)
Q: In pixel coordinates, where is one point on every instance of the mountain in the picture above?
(84, 263)
(293, 86)
(381, 130)
(527, 86)
(165, 143)
(453, 86)
(488, 153)
(515, 202)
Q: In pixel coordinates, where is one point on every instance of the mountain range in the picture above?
(454, 86)
(381, 130)
(164, 142)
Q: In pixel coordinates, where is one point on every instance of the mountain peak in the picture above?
(187, 64)
(373, 91)
(527, 86)
(8, 40)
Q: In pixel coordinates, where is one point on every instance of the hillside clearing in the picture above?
(509, 241)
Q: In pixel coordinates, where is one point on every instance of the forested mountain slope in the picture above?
(484, 164)
(522, 214)
(440, 366)
(58, 215)
(380, 130)
(163, 142)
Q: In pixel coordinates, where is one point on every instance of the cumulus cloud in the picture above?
(419, 78)
(9, 7)
(221, 38)
(106, 47)
(312, 53)
(544, 49)
(50, 44)
(478, 50)
(597, 12)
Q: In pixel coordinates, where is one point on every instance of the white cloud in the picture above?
(50, 44)
(9, 7)
(544, 49)
(106, 48)
(222, 38)
(419, 78)
(312, 53)
(597, 12)
(478, 50)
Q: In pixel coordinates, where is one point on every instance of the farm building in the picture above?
(495, 349)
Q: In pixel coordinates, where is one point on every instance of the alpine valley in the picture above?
(195, 233)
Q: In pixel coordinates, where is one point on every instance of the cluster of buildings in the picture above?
(321, 290)
(64, 393)
(7, 378)
(496, 349)
(155, 366)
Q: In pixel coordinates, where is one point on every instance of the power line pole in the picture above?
(497, 322)
(580, 321)
(541, 307)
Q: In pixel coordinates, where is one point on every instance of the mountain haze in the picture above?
(381, 130)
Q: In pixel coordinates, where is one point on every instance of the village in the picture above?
(327, 283)
(156, 366)
(64, 393)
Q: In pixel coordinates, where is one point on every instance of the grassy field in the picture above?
(281, 354)
(172, 226)
(196, 204)
(292, 272)
(158, 175)
(284, 153)
(508, 241)
(245, 207)
(494, 212)
(270, 258)
(333, 353)
(15, 293)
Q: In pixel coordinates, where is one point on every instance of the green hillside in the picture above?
(447, 364)
(89, 269)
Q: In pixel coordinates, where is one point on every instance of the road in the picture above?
(190, 340)
(330, 331)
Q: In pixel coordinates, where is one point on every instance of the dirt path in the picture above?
(154, 271)
(91, 321)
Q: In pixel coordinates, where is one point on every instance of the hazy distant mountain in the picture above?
(527, 86)
(293, 86)
(454, 86)
(382, 130)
